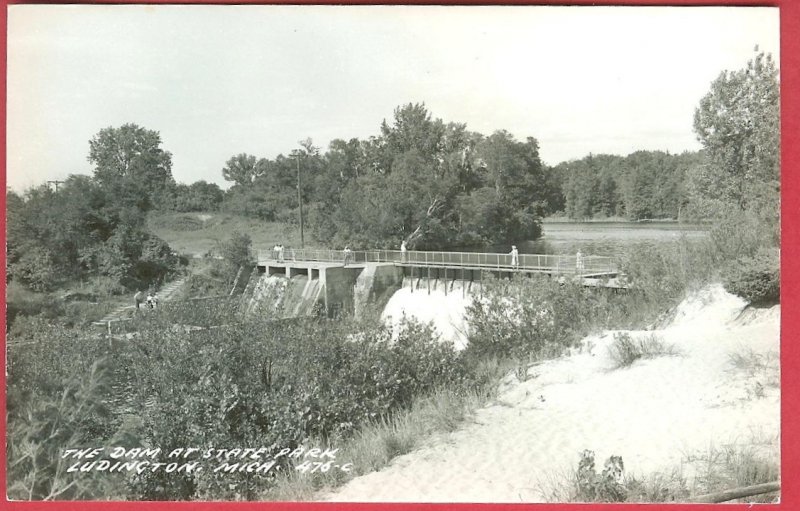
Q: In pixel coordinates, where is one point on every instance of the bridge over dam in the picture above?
(337, 280)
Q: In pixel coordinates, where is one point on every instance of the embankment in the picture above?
(720, 389)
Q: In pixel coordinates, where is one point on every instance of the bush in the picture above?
(756, 278)
(528, 317)
(59, 396)
(41, 429)
(716, 470)
(261, 383)
(35, 268)
(626, 350)
(106, 287)
(237, 253)
(132, 257)
(604, 487)
(738, 233)
(21, 302)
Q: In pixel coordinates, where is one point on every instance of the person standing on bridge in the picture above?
(579, 263)
(347, 254)
(514, 256)
(403, 251)
(280, 252)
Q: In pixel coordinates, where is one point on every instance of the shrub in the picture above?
(21, 302)
(41, 429)
(237, 253)
(735, 466)
(625, 350)
(132, 257)
(35, 268)
(208, 277)
(604, 487)
(762, 366)
(106, 287)
(716, 470)
(260, 383)
(657, 272)
(755, 278)
(59, 396)
(738, 233)
(528, 317)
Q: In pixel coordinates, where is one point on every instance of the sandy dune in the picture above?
(653, 414)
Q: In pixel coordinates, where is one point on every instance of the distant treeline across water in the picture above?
(599, 238)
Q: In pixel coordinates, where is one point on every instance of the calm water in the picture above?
(604, 238)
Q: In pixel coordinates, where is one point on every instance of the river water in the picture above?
(604, 238)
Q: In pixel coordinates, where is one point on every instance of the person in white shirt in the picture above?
(514, 256)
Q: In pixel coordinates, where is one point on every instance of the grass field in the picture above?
(197, 234)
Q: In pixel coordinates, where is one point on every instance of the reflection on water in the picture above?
(603, 238)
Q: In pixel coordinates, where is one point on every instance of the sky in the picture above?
(216, 81)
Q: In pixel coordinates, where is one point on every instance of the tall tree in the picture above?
(130, 160)
(738, 123)
(413, 129)
(242, 169)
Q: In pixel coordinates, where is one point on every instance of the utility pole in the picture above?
(55, 183)
(300, 201)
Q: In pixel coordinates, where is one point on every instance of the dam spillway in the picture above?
(432, 288)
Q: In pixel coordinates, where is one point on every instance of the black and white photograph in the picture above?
(423, 254)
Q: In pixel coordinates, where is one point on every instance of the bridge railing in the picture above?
(584, 265)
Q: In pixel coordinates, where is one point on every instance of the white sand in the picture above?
(653, 414)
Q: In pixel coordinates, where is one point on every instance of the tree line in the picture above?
(644, 185)
(434, 184)
(431, 183)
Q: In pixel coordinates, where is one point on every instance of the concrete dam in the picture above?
(432, 287)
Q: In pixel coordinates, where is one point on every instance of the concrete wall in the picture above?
(337, 291)
(375, 286)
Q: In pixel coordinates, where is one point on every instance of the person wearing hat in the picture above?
(514, 256)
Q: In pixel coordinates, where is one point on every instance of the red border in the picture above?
(790, 321)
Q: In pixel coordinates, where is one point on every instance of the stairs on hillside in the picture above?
(126, 311)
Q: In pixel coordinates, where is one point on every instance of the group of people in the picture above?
(151, 301)
(277, 252)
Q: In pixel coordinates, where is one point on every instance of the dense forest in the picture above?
(642, 185)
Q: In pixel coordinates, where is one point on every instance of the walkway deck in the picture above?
(582, 266)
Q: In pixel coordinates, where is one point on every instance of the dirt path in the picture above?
(653, 414)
